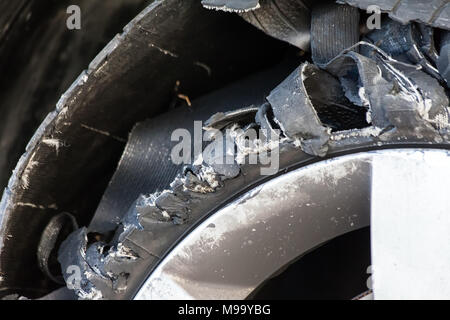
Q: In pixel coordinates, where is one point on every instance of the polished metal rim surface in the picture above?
(401, 192)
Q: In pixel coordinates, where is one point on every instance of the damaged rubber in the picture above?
(435, 13)
(413, 43)
(287, 20)
(399, 102)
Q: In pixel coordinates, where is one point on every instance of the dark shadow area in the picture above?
(336, 270)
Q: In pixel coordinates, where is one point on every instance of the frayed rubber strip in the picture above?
(231, 5)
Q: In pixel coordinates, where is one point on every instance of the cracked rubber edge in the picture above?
(231, 5)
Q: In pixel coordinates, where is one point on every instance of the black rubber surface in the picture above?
(287, 20)
(71, 157)
(40, 58)
(334, 28)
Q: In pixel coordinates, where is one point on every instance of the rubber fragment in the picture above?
(398, 97)
(427, 42)
(391, 91)
(49, 239)
(435, 13)
(410, 43)
(334, 28)
(295, 113)
(231, 5)
(222, 119)
(72, 253)
(263, 119)
(287, 20)
(92, 270)
(443, 62)
(224, 162)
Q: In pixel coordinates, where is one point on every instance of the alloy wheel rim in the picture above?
(231, 253)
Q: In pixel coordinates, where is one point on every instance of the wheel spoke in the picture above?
(410, 223)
